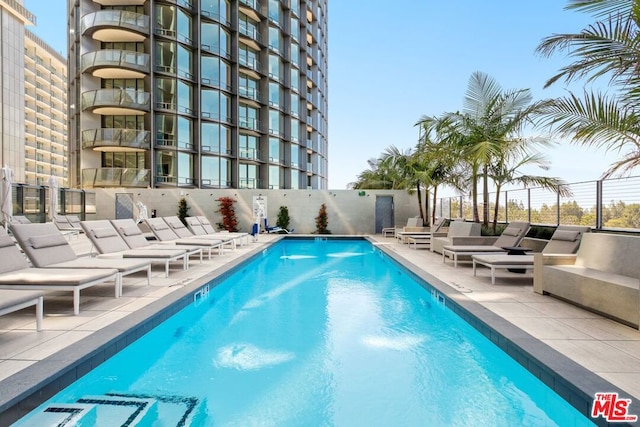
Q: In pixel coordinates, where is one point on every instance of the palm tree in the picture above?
(408, 167)
(607, 48)
(490, 120)
(437, 154)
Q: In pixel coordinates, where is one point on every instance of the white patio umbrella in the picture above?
(53, 196)
(7, 202)
(143, 212)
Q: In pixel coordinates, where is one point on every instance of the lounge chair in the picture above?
(458, 233)
(15, 273)
(197, 230)
(165, 232)
(565, 240)
(14, 300)
(45, 247)
(240, 237)
(419, 235)
(20, 219)
(411, 222)
(133, 237)
(65, 227)
(511, 237)
(109, 244)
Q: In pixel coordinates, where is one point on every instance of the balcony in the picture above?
(120, 2)
(116, 177)
(115, 26)
(113, 102)
(249, 92)
(116, 64)
(108, 139)
(249, 123)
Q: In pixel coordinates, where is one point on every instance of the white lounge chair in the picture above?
(14, 300)
(164, 233)
(15, 273)
(108, 243)
(57, 253)
(510, 237)
(565, 240)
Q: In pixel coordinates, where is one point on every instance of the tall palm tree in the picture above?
(607, 48)
(490, 120)
(440, 161)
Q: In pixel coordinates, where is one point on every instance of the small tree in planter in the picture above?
(283, 218)
(322, 221)
(228, 212)
(183, 210)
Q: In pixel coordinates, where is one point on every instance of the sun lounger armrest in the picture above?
(540, 260)
(559, 259)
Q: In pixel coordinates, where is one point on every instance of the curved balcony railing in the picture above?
(108, 138)
(249, 31)
(116, 177)
(120, 2)
(114, 64)
(115, 25)
(116, 101)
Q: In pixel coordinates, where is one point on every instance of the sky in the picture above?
(391, 62)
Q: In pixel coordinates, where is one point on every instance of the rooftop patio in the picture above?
(605, 347)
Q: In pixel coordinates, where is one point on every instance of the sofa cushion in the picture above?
(6, 241)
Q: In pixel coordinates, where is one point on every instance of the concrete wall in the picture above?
(349, 212)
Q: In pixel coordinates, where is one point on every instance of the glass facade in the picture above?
(230, 104)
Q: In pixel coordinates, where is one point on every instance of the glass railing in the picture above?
(116, 177)
(115, 18)
(249, 123)
(121, 98)
(252, 63)
(248, 153)
(108, 137)
(249, 31)
(249, 92)
(127, 59)
(253, 4)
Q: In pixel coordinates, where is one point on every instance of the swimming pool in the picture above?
(317, 333)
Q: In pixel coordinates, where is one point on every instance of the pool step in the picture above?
(120, 409)
(61, 414)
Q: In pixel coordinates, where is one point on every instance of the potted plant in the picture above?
(228, 212)
(283, 218)
(322, 220)
(183, 210)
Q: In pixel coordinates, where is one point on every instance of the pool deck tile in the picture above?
(607, 348)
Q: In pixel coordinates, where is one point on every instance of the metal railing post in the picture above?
(599, 205)
(529, 205)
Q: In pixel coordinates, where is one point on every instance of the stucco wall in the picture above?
(349, 212)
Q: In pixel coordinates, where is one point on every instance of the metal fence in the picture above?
(611, 204)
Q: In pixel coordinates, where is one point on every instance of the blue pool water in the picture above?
(323, 333)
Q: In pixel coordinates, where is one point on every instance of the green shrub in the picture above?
(322, 221)
(183, 210)
(283, 218)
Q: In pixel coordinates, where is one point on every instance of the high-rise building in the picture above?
(45, 111)
(14, 17)
(207, 94)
